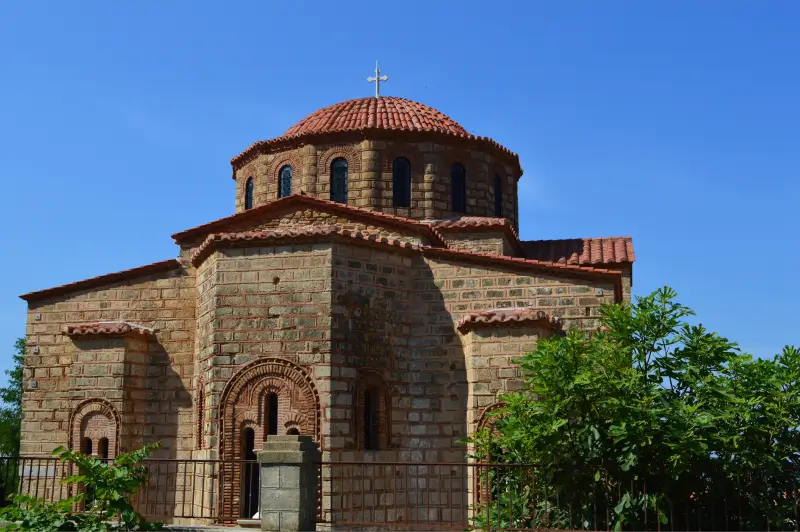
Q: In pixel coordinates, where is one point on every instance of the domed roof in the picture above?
(386, 112)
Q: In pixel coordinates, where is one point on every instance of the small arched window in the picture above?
(86, 446)
(372, 420)
(458, 186)
(102, 448)
(285, 181)
(339, 180)
(248, 193)
(293, 432)
(401, 183)
(272, 409)
(498, 196)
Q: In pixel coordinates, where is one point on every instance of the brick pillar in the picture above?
(288, 484)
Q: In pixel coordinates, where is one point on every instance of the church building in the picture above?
(371, 290)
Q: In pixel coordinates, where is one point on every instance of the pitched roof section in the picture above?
(469, 224)
(215, 240)
(105, 328)
(103, 280)
(386, 112)
(522, 315)
(355, 213)
(371, 115)
(582, 251)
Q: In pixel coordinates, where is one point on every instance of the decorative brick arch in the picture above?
(200, 405)
(372, 381)
(485, 419)
(352, 154)
(243, 400)
(95, 419)
(295, 160)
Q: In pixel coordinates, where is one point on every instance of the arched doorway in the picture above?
(268, 397)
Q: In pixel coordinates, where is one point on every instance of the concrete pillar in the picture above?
(289, 466)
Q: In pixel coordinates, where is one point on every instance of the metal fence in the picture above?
(442, 496)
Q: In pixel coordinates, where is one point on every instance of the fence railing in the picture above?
(443, 496)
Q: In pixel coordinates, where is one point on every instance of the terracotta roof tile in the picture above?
(582, 251)
(106, 328)
(377, 217)
(103, 280)
(387, 113)
(507, 316)
(211, 242)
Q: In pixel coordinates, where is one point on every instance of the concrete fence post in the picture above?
(289, 466)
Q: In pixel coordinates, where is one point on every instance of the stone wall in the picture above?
(69, 372)
(370, 179)
(490, 243)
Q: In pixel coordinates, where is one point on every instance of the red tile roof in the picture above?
(358, 213)
(211, 242)
(103, 280)
(582, 251)
(105, 327)
(468, 224)
(507, 316)
(386, 112)
(362, 115)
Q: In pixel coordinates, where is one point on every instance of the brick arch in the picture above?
(372, 380)
(200, 405)
(485, 419)
(295, 160)
(96, 419)
(349, 152)
(241, 399)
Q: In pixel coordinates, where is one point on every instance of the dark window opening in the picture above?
(251, 477)
(86, 446)
(285, 182)
(293, 432)
(371, 420)
(248, 193)
(458, 185)
(272, 421)
(102, 448)
(401, 183)
(498, 197)
(339, 180)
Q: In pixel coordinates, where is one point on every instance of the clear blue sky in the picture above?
(675, 122)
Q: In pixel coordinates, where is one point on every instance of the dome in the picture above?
(386, 112)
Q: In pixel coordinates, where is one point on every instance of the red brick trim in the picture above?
(111, 328)
(295, 160)
(346, 151)
(352, 212)
(103, 280)
(505, 317)
(86, 408)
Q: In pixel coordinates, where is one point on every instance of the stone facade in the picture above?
(383, 333)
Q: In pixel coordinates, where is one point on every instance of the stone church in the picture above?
(371, 290)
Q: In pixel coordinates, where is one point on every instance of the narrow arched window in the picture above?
(272, 409)
(86, 446)
(102, 448)
(401, 183)
(339, 180)
(250, 487)
(285, 182)
(498, 196)
(458, 186)
(293, 432)
(372, 420)
(248, 193)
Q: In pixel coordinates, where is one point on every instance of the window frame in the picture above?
(281, 181)
(249, 193)
(343, 185)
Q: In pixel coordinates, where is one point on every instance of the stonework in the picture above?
(384, 333)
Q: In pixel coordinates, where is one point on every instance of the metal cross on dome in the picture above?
(377, 79)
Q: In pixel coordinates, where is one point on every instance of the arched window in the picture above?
(102, 448)
(372, 420)
(250, 486)
(458, 186)
(86, 446)
(272, 420)
(339, 180)
(248, 194)
(293, 432)
(285, 182)
(401, 182)
(498, 196)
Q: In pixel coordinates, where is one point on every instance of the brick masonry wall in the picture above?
(68, 371)
(479, 242)
(370, 179)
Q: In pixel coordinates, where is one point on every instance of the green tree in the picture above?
(649, 419)
(102, 500)
(11, 409)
